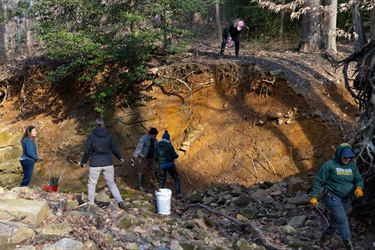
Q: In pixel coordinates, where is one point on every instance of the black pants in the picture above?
(224, 43)
(176, 177)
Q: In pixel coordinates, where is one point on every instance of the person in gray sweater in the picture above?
(144, 151)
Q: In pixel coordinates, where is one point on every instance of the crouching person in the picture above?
(165, 155)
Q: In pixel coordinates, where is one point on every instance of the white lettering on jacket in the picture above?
(344, 171)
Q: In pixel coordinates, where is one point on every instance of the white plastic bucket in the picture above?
(163, 200)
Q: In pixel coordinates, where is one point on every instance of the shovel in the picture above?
(71, 160)
(152, 181)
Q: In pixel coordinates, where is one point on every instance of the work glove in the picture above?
(132, 161)
(314, 202)
(121, 160)
(358, 192)
(81, 164)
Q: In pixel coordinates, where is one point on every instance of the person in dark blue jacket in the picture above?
(165, 155)
(98, 148)
(29, 155)
(232, 30)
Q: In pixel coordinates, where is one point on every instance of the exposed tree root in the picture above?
(362, 88)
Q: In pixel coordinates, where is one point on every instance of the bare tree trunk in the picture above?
(3, 53)
(311, 35)
(282, 17)
(372, 25)
(331, 40)
(29, 38)
(359, 34)
(217, 19)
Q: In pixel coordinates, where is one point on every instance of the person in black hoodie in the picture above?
(233, 30)
(98, 148)
(165, 155)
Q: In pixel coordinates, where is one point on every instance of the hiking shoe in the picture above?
(179, 196)
(121, 205)
(349, 245)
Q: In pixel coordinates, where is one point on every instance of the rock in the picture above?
(131, 246)
(297, 184)
(298, 200)
(102, 197)
(123, 221)
(175, 245)
(29, 211)
(58, 229)
(248, 213)
(195, 197)
(282, 218)
(289, 230)
(243, 201)
(297, 221)
(67, 243)
(208, 200)
(241, 244)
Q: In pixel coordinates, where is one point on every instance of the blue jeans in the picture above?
(109, 176)
(338, 208)
(176, 177)
(28, 169)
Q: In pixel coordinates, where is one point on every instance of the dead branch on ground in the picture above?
(255, 229)
(18, 219)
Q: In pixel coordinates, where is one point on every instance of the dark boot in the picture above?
(325, 241)
(349, 244)
(140, 188)
(121, 205)
(222, 49)
(176, 180)
(156, 176)
(162, 178)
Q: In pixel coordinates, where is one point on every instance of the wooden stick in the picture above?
(291, 157)
(267, 160)
(282, 164)
(177, 79)
(152, 181)
(187, 177)
(255, 169)
(19, 219)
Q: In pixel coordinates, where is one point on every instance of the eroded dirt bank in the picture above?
(239, 121)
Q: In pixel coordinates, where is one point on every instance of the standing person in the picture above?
(145, 150)
(339, 178)
(98, 147)
(165, 156)
(29, 155)
(233, 30)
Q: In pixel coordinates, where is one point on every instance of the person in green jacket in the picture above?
(339, 178)
(165, 155)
